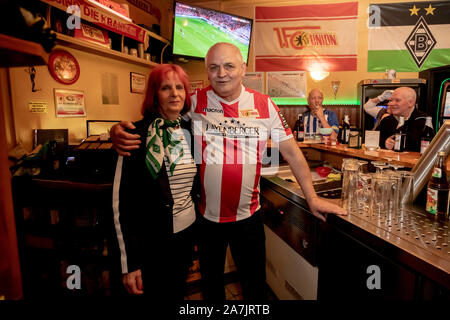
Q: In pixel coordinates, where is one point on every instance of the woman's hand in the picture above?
(133, 282)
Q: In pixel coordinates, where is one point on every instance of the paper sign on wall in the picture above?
(37, 107)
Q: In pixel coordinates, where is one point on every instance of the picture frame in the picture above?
(195, 85)
(281, 84)
(69, 103)
(137, 82)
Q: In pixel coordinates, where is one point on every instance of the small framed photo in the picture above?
(137, 82)
(195, 85)
(69, 103)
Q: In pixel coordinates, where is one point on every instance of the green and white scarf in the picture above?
(159, 138)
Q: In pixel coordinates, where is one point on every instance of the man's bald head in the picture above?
(315, 99)
(314, 92)
(219, 46)
(403, 101)
(408, 93)
(225, 68)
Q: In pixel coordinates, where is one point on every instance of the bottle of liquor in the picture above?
(345, 132)
(438, 189)
(427, 135)
(400, 136)
(299, 127)
(341, 131)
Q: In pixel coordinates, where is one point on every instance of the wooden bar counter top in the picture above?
(335, 154)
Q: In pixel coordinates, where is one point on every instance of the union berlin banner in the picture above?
(409, 36)
(306, 37)
(94, 14)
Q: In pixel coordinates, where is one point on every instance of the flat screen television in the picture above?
(196, 29)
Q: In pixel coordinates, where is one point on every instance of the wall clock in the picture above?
(63, 66)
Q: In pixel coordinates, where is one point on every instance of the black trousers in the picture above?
(247, 245)
(165, 272)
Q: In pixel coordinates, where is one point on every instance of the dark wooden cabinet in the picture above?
(62, 224)
(350, 263)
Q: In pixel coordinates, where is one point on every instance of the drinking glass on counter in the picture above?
(407, 188)
(393, 190)
(380, 194)
(363, 166)
(364, 193)
(350, 169)
(379, 165)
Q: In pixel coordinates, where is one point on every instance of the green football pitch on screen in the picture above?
(193, 37)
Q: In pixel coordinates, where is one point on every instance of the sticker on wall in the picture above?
(110, 88)
(63, 66)
(69, 103)
(37, 107)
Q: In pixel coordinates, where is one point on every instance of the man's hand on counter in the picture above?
(390, 142)
(122, 140)
(318, 206)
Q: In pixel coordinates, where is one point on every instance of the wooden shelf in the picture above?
(158, 37)
(15, 52)
(74, 43)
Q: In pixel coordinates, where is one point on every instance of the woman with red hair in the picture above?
(154, 188)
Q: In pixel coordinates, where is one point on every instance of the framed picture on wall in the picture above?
(69, 103)
(195, 85)
(137, 82)
(286, 84)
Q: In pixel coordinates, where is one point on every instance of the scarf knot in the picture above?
(161, 142)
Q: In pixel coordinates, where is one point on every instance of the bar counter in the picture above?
(407, 159)
(412, 250)
(335, 154)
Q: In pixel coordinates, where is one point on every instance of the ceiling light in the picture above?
(319, 75)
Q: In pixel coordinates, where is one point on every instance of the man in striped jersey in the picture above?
(317, 117)
(231, 126)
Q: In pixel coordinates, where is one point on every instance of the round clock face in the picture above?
(63, 67)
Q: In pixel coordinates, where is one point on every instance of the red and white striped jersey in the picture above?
(232, 137)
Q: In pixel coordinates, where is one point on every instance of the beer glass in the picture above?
(393, 192)
(379, 165)
(364, 193)
(350, 169)
(380, 189)
(363, 167)
(407, 188)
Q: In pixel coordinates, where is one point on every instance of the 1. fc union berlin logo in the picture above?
(297, 38)
(301, 40)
